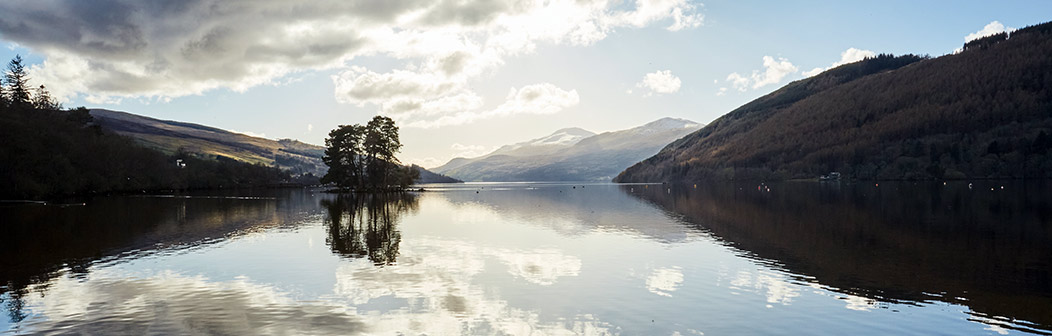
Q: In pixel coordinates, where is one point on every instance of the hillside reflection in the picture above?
(366, 225)
(575, 210)
(990, 250)
(39, 243)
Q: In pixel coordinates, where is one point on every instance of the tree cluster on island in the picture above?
(48, 152)
(362, 158)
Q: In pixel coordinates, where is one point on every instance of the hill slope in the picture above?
(49, 154)
(983, 113)
(171, 136)
(570, 154)
(427, 176)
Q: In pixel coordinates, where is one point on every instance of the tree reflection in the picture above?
(365, 225)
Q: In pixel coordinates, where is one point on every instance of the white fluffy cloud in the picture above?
(660, 82)
(361, 86)
(774, 71)
(851, 55)
(991, 28)
(469, 151)
(543, 98)
(126, 48)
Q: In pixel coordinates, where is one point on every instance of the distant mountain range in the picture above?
(172, 136)
(570, 154)
(983, 112)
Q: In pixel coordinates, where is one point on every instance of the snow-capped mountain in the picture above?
(570, 154)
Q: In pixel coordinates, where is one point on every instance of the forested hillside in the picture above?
(985, 112)
(172, 136)
(47, 153)
(427, 176)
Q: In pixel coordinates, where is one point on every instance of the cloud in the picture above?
(660, 82)
(360, 86)
(543, 98)
(774, 71)
(428, 162)
(310, 127)
(468, 151)
(648, 11)
(124, 48)
(991, 28)
(722, 91)
(851, 55)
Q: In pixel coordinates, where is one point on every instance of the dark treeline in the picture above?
(47, 152)
(985, 112)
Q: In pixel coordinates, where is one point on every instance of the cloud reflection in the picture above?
(542, 267)
(170, 303)
(437, 278)
(860, 303)
(664, 281)
(775, 287)
(438, 290)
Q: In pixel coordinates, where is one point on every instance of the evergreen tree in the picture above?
(363, 157)
(381, 144)
(42, 100)
(17, 86)
(343, 155)
(3, 97)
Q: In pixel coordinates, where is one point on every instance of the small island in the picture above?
(362, 158)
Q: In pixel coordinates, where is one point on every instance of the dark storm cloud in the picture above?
(184, 47)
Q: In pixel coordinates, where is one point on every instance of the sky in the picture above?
(462, 77)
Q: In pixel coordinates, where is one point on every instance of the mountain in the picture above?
(984, 112)
(427, 176)
(172, 136)
(547, 145)
(570, 154)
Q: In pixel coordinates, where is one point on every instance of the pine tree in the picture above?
(17, 87)
(363, 157)
(3, 97)
(42, 100)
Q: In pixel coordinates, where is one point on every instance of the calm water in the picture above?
(801, 258)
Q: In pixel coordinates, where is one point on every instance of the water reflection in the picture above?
(365, 225)
(41, 243)
(990, 250)
(554, 259)
(175, 304)
(574, 210)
